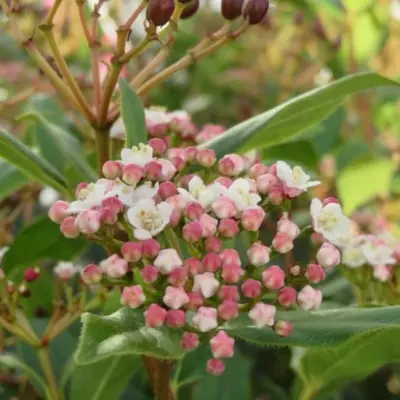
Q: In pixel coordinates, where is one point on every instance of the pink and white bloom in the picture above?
(190, 341)
(206, 284)
(114, 266)
(133, 296)
(175, 318)
(209, 225)
(231, 165)
(282, 242)
(69, 228)
(228, 310)
(258, 254)
(315, 273)
(286, 225)
(58, 211)
(215, 366)
(91, 274)
(224, 207)
(328, 255)
(167, 260)
(157, 121)
(352, 256)
(273, 277)
(263, 315)
(149, 219)
(155, 316)
(377, 252)
(329, 221)
(205, 319)
(139, 155)
(239, 192)
(252, 218)
(382, 273)
(295, 180)
(88, 221)
(65, 270)
(309, 298)
(175, 297)
(222, 345)
(167, 169)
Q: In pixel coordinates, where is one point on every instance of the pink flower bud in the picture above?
(155, 316)
(114, 266)
(228, 310)
(232, 273)
(209, 225)
(282, 243)
(112, 169)
(65, 270)
(266, 182)
(315, 273)
(153, 171)
(175, 297)
(193, 266)
(228, 228)
(81, 186)
(231, 165)
(252, 218)
(257, 170)
(273, 277)
(205, 319)
(58, 211)
(114, 204)
(178, 162)
(167, 260)
(132, 296)
(224, 207)
(206, 157)
(190, 341)
(175, 217)
(158, 146)
(150, 248)
(330, 200)
(196, 300)
(211, 262)
(287, 296)
(192, 232)
(31, 274)
(191, 153)
(176, 152)
(228, 292)
(222, 345)
(328, 255)
(382, 273)
(178, 276)
(251, 288)
(283, 328)
(91, 274)
(132, 251)
(206, 284)
(215, 367)
(254, 11)
(69, 228)
(258, 254)
(230, 256)
(88, 221)
(285, 225)
(175, 318)
(149, 273)
(167, 189)
(276, 195)
(224, 181)
(213, 244)
(168, 169)
(108, 216)
(309, 298)
(132, 174)
(263, 315)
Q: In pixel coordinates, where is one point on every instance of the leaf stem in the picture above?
(103, 148)
(44, 359)
(308, 393)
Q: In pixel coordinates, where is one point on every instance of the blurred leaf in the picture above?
(124, 333)
(318, 328)
(395, 185)
(290, 119)
(59, 147)
(11, 361)
(132, 113)
(40, 241)
(333, 368)
(104, 380)
(11, 179)
(350, 151)
(10, 50)
(233, 384)
(364, 180)
(25, 160)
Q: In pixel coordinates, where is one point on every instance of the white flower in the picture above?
(118, 130)
(167, 260)
(139, 155)
(240, 193)
(65, 270)
(148, 219)
(48, 196)
(329, 220)
(130, 195)
(92, 196)
(199, 192)
(206, 284)
(294, 178)
(263, 315)
(376, 252)
(353, 257)
(205, 319)
(309, 298)
(157, 116)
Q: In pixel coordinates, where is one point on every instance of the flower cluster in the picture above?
(169, 219)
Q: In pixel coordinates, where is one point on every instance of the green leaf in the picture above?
(11, 361)
(16, 153)
(288, 120)
(103, 380)
(132, 113)
(11, 179)
(318, 328)
(124, 333)
(39, 241)
(364, 180)
(331, 369)
(59, 147)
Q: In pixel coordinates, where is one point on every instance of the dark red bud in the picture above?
(31, 274)
(159, 12)
(255, 11)
(231, 9)
(190, 9)
(299, 18)
(319, 30)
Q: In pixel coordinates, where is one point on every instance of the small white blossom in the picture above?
(376, 252)
(48, 196)
(65, 270)
(167, 260)
(139, 155)
(206, 284)
(262, 315)
(130, 195)
(118, 130)
(148, 219)
(157, 116)
(353, 257)
(205, 319)
(240, 193)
